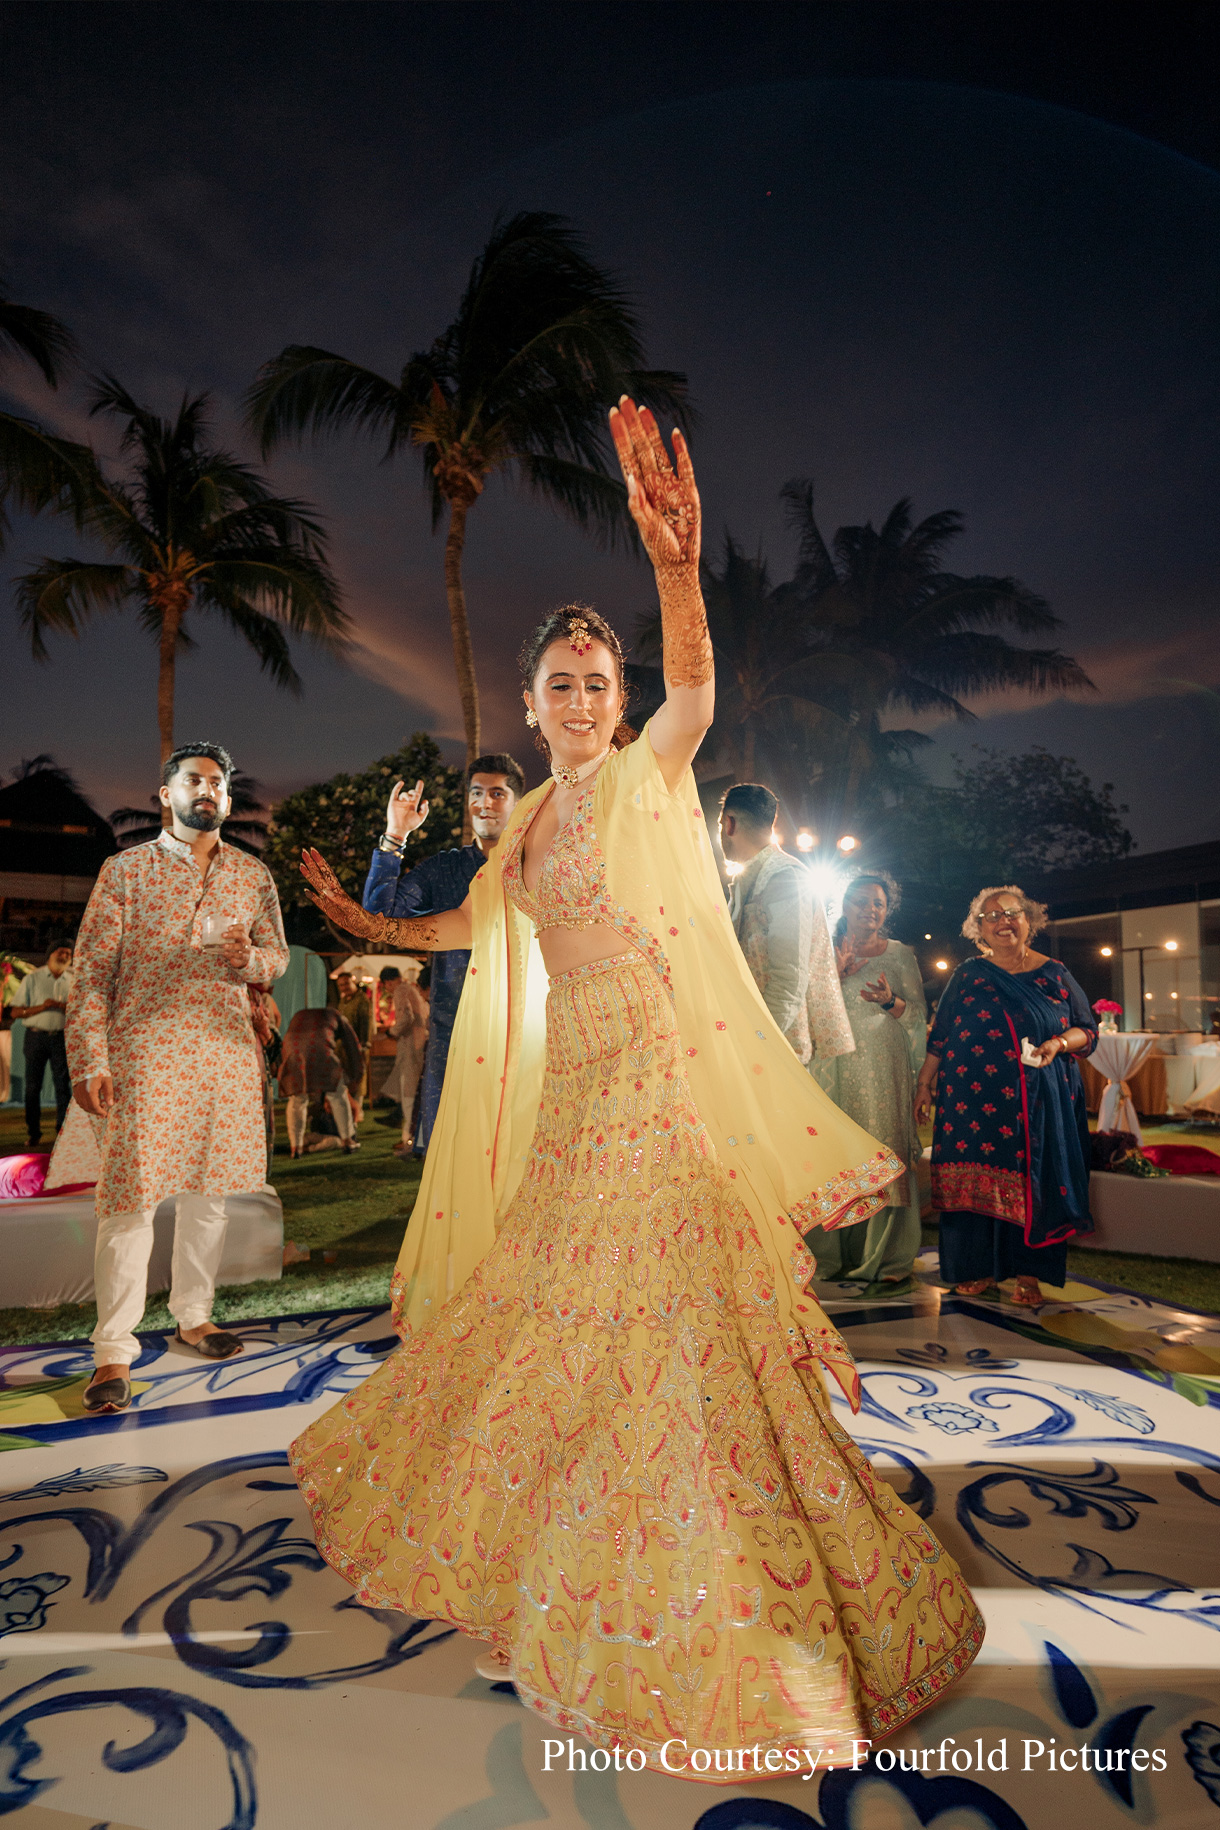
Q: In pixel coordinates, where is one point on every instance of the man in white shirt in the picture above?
(40, 1001)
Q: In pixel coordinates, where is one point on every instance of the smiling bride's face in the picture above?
(578, 700)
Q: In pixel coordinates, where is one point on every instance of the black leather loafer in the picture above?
(110, 1395)
(218, 1346)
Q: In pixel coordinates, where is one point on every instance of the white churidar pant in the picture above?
(120, 1272)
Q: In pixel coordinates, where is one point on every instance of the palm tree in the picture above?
(37, 470)
(246, 826)
(194, 529)
(543, 343)
(806, 670)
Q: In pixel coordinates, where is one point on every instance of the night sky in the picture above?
(965, 254)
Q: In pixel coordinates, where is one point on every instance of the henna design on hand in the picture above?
(328, 894)
(664, 504)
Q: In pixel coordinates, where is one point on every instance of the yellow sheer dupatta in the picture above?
(794, 1158)
(488, 1108)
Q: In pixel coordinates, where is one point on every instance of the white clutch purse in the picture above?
(1028, 1056)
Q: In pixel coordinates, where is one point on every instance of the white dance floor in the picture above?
(175, 1655)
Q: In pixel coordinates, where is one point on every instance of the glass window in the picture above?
(1091, 949)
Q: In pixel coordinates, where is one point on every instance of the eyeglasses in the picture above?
(1003, 915)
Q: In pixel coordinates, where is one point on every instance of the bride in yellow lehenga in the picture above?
(606, 1446)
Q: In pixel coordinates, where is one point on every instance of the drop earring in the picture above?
(531, 718)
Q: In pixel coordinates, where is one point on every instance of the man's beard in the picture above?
(201, 818)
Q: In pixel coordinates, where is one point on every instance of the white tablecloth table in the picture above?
(1118, 1057)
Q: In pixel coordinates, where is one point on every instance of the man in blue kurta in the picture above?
(494, 784)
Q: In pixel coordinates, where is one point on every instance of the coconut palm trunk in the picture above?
(459, 624)
(171, 622)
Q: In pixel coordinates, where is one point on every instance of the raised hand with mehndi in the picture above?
(426, 934)
(664, 505)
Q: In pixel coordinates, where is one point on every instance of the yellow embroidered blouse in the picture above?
(567, 889)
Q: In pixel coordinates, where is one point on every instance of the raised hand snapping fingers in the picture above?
(407, 811)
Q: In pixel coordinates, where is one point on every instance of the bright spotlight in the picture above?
(1171, 946)
(847, 843)
(927, 937)
(827, 881)
(805, 840)
(942, 965)
(1107, 953)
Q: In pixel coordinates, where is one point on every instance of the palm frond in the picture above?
(305, 390)
(595, 502)
(39, 471)
(63, 594)
(816, 569)
(265, 636)
(975, 663)
(952, 603)
(288, 586)
(46, 342)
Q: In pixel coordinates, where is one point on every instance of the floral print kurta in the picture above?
(172, 1027)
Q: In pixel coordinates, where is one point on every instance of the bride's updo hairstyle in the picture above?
(557, 627)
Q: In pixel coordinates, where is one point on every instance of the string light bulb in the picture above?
(847, 843)
(805, 840)
(1107, 953)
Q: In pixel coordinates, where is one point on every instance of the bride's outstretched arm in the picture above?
(428, 933)
(664, 505)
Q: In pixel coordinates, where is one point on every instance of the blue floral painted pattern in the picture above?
(954, 1419)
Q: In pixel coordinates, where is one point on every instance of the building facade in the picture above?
(52, 846)
(1145, 932)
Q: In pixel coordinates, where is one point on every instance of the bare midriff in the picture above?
(565, 948)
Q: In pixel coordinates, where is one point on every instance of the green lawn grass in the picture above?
(354, 1206)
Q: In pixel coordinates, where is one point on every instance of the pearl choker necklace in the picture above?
(569, 776)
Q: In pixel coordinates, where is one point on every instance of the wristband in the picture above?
(386, 843)
(891, 1003)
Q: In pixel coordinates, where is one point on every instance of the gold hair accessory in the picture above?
(579, 639)
(531, 718)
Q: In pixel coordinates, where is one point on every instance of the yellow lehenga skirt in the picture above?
(600, 1458)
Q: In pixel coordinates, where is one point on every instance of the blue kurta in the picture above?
(435, 885)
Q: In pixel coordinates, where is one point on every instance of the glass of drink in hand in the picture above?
(212, 934)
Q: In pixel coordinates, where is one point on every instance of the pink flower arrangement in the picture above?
(1110, 1005)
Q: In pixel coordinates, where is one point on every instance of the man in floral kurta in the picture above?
(162, 1051)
